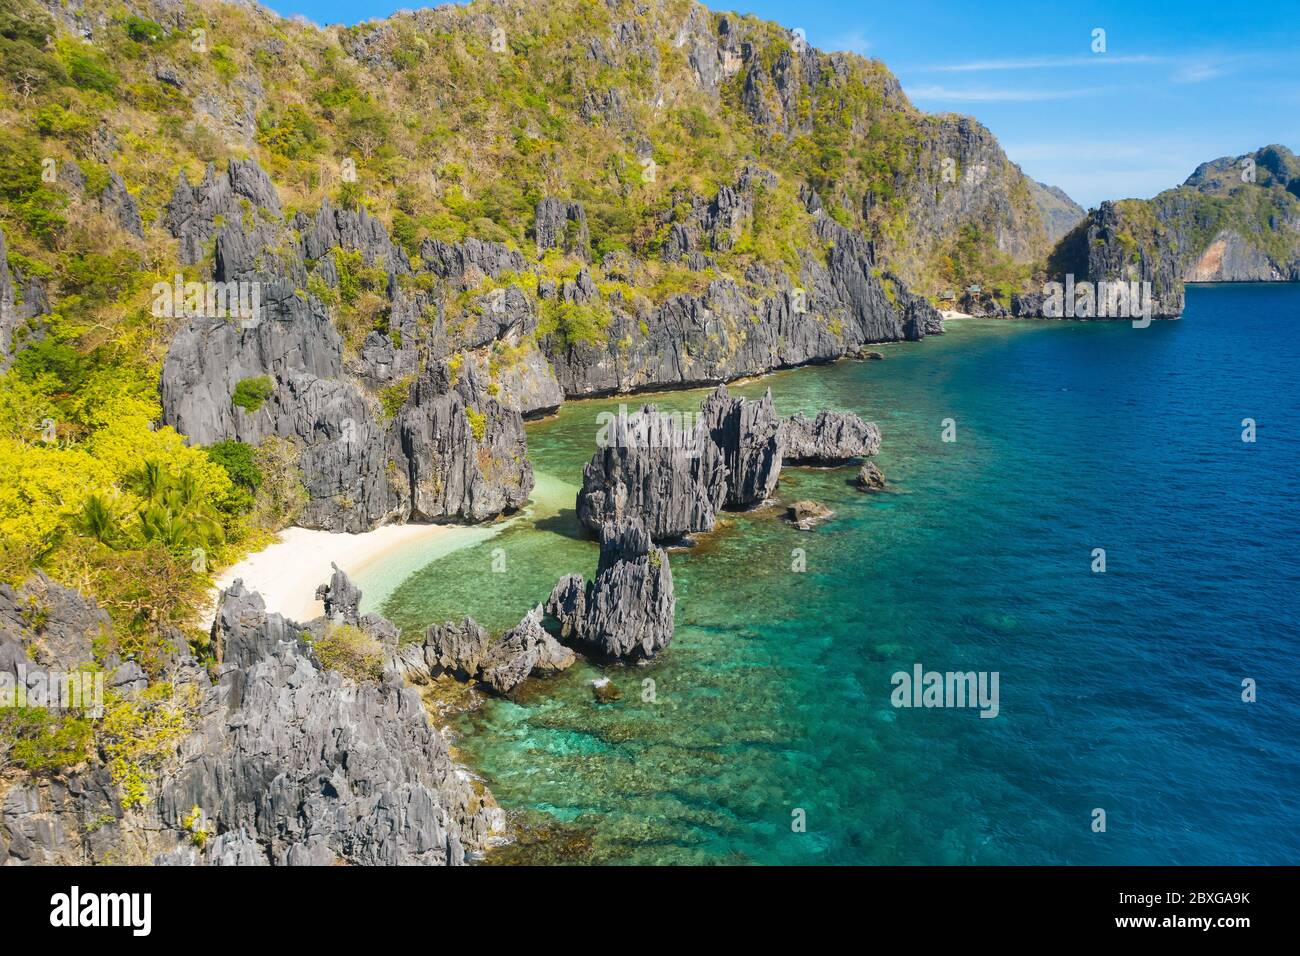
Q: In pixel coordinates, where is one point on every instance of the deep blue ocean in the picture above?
(1119, 690)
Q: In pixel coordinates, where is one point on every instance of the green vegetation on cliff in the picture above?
(443, 124)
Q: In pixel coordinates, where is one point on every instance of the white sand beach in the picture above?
(287, 572)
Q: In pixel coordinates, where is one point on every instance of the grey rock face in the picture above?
(287, 763)
(734, 330)
(466, 262)
(749, 435)
(466, 453)
(8, 309)
(468, 652)
(47, 626)
(1231, 258)
(120, 206)
(360, 469)
(562, 225)
(806, 515)
(830, 438)
(342, 598)
(192, 215)
(626, 612)
(456, 649)
(675, 475)
(669, 473)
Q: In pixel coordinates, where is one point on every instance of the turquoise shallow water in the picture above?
(1119, 691)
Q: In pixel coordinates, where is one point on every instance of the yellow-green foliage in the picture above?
(193, 823)
(393, 395)
(139, 735)
(42, 741)
(346, 649)
(477, 423)
(574, 323)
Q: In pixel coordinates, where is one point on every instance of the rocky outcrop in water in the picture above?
(467, 652)
(832, 438)
(342, 598)
(749, 435)
(807, 514)
(8, 305)
(870, 477)
(626, 612)
(676, 473)
(285, 763)
(664, 468)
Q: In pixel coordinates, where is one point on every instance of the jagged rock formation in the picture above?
(452, 452)
(468, 652)
(562, 225)
(288, 764)
(831, 438)
(626, 612)
(194, 213)
(748, 433)
(739, 328)
(676, 473)
(45, 626)
(342, 598)
(466, 453)
(663, 468)
(9, 315)
(120, 206)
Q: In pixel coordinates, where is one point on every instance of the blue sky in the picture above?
(1177, 84)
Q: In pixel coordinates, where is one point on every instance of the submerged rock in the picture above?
(831, 438)
(603, 689)
(626, 612)
(804, 515)
(870, 477)
(341, 597)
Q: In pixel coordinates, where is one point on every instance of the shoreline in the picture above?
(287, 572)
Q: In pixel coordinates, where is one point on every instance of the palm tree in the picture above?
(175, 514)
(98, 521)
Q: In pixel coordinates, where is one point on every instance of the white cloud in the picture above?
(1200, 72)
(1004, 95)
(1044, 62)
